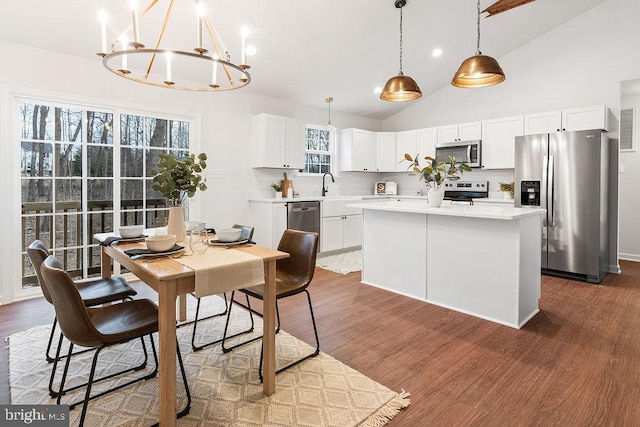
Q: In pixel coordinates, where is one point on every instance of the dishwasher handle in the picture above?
(311, 208)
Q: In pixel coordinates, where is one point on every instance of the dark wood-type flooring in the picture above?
(576, 363)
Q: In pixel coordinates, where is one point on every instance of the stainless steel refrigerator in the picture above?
(567, 173)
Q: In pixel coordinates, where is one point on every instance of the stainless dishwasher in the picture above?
(304, 216)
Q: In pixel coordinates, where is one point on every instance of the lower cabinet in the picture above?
(269, 221)
(340, 232)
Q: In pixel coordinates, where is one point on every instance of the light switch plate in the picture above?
(216, 174)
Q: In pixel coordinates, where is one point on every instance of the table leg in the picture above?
(167, 354)
(105, 263)
(269, 337)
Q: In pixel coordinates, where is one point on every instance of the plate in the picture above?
(157, 254)
(131, 239)
(216, 242)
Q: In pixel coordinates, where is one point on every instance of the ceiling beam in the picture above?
(504, 5)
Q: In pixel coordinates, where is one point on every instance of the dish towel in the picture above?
(221, 270)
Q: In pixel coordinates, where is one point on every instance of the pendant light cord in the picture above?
(478, 45)
(400, 41)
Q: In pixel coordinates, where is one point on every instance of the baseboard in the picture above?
(629, 257)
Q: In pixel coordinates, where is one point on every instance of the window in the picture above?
(84, 171)
(318, 151)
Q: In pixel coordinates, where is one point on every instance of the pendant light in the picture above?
(479, 70)
(329, 100)
(400, 87)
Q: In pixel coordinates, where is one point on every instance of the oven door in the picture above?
(464, 152)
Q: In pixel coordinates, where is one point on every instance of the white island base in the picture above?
(482, 261)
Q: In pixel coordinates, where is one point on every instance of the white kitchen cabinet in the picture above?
(269, 220)
(278, 142)
(469, 131)
(498, 143)
(385, 151)
(341, 226)
(406, 142)
(426, 142)
(583, 118)
(357, 150)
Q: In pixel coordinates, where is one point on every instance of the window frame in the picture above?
(331, 152)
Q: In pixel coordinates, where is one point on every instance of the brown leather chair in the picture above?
(94, 291)
(246, 233)
(101, 327)
(293, 276)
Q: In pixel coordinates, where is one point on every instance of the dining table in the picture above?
(171, 279)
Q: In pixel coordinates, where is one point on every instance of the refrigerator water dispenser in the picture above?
(530, 193)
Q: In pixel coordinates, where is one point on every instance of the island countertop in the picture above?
(422, 207)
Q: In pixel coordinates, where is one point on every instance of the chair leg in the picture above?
(226, 327)
(315, 331)
(52, 392)
(196, 347)
(53, 330)
(187, 407)
(194, 321)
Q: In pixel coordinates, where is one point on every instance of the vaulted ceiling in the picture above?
(308, 50)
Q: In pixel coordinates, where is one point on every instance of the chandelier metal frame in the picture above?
(235, 76)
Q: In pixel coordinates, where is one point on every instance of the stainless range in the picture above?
(465, 191)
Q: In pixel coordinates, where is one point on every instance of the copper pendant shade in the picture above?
(479, 70)
(400, 88)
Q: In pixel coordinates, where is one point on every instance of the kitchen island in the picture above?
(479, 260)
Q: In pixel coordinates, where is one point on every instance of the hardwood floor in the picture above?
(575, 363)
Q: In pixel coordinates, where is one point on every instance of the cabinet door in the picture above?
(369, 151)
(406, 142)
(498, 144)
(470, 131)
(331, 234)
(385, 151)
(426, 144)
(269, 139)
(585, 118)
(363, 151)
(294, 153)
(448, 133)
(548, 122)
(352, 231)
(279, 224)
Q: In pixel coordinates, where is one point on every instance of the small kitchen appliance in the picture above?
(464, 152)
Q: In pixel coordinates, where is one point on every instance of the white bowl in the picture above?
(194, 225)
(160, 242)
(228, 234)
(130, 231)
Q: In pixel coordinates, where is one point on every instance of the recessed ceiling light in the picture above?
(436, 52)
(377, 90)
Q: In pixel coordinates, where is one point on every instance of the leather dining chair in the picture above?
(94, 291)
(246, 233)
(293, 276)
(99, 328)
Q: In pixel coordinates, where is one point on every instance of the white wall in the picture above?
(580, 63)
(629, 186)
(225, 125)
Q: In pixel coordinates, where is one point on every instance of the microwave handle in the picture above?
(469, 153)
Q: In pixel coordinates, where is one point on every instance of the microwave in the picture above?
(464, 151)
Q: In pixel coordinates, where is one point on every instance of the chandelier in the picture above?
(207, 63)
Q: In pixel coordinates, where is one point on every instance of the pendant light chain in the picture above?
(478, 46)
(400, 40)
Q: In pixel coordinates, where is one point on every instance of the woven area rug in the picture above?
(225, 388)
(345, 262)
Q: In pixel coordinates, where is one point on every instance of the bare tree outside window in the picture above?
(318, 150)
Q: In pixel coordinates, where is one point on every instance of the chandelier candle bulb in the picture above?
(102, 16)
(167, 55)
(134, 22)
(245, 33)
(200, 13)
(214, 74)
(123, 45)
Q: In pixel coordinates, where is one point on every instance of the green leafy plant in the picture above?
(276, 187)
(435, 172)
(507, 186)
(179, 179)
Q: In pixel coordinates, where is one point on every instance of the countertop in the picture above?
(381, 197)
(488, 212)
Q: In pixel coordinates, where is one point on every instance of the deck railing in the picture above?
(69, 228)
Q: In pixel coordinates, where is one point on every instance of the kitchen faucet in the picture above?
(324, 189)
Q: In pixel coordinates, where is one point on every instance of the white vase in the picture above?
(176, 223)
(435, 197)
(507, 195)
(278, 194)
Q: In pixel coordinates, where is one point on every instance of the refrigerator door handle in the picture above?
(543, 189)
(550, 192)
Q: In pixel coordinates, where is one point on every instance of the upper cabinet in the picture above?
(385, 151)
(358, 150)
(498, 143)
(406, 142)
(584, 118)
(460, 132)
(278, 142)
(426, 142)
